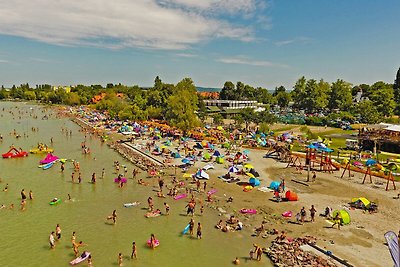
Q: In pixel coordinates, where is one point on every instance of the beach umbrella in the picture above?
(248, 166)
(246, 152)
(207, 156)
(233, 169)
(216, 153)
(220, 128)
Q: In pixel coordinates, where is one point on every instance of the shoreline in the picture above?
(326, 191)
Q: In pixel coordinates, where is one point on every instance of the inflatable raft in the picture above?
(156, 243)
(85, 255)
(248, 211)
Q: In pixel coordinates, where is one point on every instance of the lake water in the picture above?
(25, 234)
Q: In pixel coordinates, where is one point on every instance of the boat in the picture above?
(41, 150)
(15, 153)
(55, 201)
(81, 258)
(49, 158)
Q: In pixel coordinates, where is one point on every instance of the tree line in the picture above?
(182, 107)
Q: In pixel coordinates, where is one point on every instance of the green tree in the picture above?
(340, 96)
(396, 90)
(182, 104)
(368, 112)
(282, 97)
(29, 95)
(228, 91)
(299, 92)
(382, 96)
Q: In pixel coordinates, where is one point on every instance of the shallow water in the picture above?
(25, 233)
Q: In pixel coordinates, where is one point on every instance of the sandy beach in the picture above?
(361, 242)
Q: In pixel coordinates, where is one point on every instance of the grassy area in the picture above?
(284, 128)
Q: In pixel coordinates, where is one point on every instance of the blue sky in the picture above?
(261, 43)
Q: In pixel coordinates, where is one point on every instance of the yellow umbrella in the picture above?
(248, 166)
(250, 175)
(220, 128)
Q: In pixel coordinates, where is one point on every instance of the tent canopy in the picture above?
(362, 201)
(274, 185)
(344, 215)
(254, 182)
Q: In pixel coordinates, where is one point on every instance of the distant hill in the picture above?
(208, 89)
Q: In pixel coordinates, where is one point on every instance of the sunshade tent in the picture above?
(175, 155)
(201, 174)
(274, 185)
(254, 182)
(250, 175)
(216, 153)
(186, 161)
(248, 166)
(254, 172)
(207, 156)
(291, 196)
(361, 201)
(219, 160)
(344, 215)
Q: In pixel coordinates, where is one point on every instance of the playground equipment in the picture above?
(383, 173)
(314, 157)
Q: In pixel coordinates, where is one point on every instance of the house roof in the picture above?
(213, 109)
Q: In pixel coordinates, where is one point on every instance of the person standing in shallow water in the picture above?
(23, 194)
(199, 233)
(134, 251)
(52, 240)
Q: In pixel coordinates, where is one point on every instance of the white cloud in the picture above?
(301, 40)
(168, 24)
(186, 55)
(226, 6)
(247, 61)
(3, 61)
